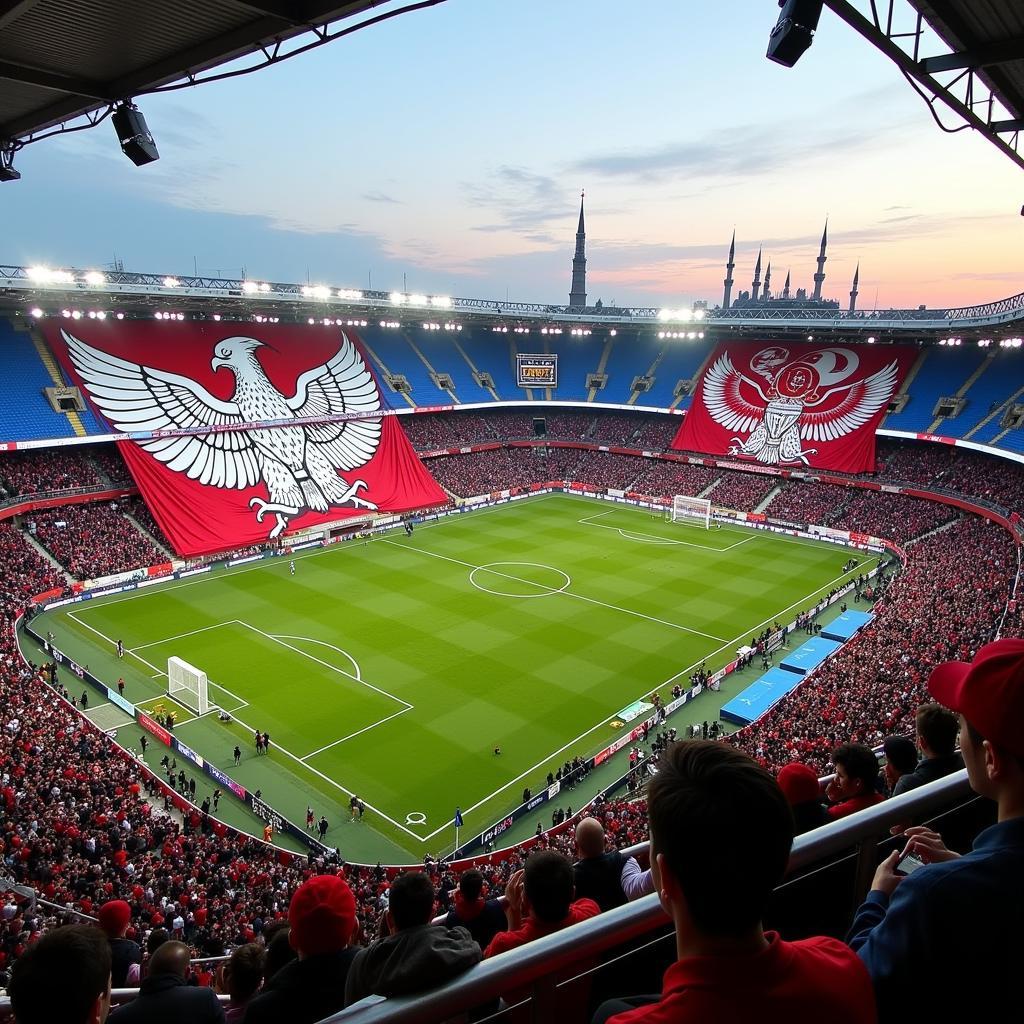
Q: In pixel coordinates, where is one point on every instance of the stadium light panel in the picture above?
(216, 316)
(794, 31)
(264, 287)
(871, 341)
(321, 292)
(418, 300)
(613, 332)
(171, 282)
(36, 312)
(76, 314)
(249, 287)
(397, 298)
(101, 314)
(66, 313)
(94, 277)
(120, 316)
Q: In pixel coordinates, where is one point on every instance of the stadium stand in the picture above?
(959, 576)
(93, 540)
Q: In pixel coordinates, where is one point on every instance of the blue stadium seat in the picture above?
(943, 373)
(25, 415)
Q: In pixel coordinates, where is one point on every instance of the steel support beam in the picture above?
(884, 40)
(988, 56)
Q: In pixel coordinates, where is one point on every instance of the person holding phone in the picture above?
(944, 939)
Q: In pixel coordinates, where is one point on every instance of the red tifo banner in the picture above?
(797, 404)
(235, 487)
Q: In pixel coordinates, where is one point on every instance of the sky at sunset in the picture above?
(446, 150)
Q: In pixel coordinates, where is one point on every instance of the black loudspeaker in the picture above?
(132, 132)
(793, 31)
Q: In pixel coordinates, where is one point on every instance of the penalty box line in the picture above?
(667, 682)
(278, 747)
(282, 640)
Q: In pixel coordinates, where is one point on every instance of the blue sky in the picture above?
(450, 146)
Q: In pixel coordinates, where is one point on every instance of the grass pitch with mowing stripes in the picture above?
(393, 669)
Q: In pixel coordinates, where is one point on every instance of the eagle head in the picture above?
(234, 352)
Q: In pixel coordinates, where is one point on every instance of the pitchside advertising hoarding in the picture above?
(186, 390)
(795, 404)
(536, 371)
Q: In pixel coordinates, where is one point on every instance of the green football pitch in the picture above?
(393, 669)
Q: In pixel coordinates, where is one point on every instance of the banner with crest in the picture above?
(795, 404)
(186, 392)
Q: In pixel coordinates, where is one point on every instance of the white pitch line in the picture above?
(665, 540)
(103, 636)
(266, 563)
(326, 664)
(352, 735)
(689, 668)
(324, 643)
(567, 593)
(181, 636)
(283, 750)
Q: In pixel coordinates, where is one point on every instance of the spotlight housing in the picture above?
(134, 135)
(794, 31)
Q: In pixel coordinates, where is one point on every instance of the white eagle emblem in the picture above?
(803, 399)
(299, 465)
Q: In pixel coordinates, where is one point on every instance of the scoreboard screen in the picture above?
(536, 371)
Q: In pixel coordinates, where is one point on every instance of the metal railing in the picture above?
(574, 949)
(533, 966)
(124, 284)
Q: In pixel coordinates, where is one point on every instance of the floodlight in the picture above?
(794, 31)
(134, 135)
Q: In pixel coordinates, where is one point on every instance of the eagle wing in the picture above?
(861, 401)
(724, 399)
(139, 398)
(341, 385)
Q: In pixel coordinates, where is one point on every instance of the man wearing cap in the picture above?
(322, 921)
(959, 919)
(126, 955)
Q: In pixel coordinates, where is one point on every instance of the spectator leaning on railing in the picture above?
(946, 941)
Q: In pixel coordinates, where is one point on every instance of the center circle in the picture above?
(508, 579)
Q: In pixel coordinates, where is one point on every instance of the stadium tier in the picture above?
(631, 598)
(633, 367)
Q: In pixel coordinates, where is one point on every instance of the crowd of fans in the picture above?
(137, 508)
(93, 540)
(895, 516)
(78, 826)
(742, 491)
(494, 470)
(55, 469)
(944, 606)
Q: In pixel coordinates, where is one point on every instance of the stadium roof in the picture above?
(980, 77)
(60, 59)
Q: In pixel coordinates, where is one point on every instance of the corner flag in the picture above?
(458, 818)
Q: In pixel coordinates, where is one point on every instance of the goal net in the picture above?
(693, 510)
(187, 685)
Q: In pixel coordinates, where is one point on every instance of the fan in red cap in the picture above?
(322, 921)
(933, 914)
(114, 918)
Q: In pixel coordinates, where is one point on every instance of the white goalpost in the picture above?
(188, 685)
(691, 510)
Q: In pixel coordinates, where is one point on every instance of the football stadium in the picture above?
(388, 655)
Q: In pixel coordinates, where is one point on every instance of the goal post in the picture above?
(691, 510)
(188, 685)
